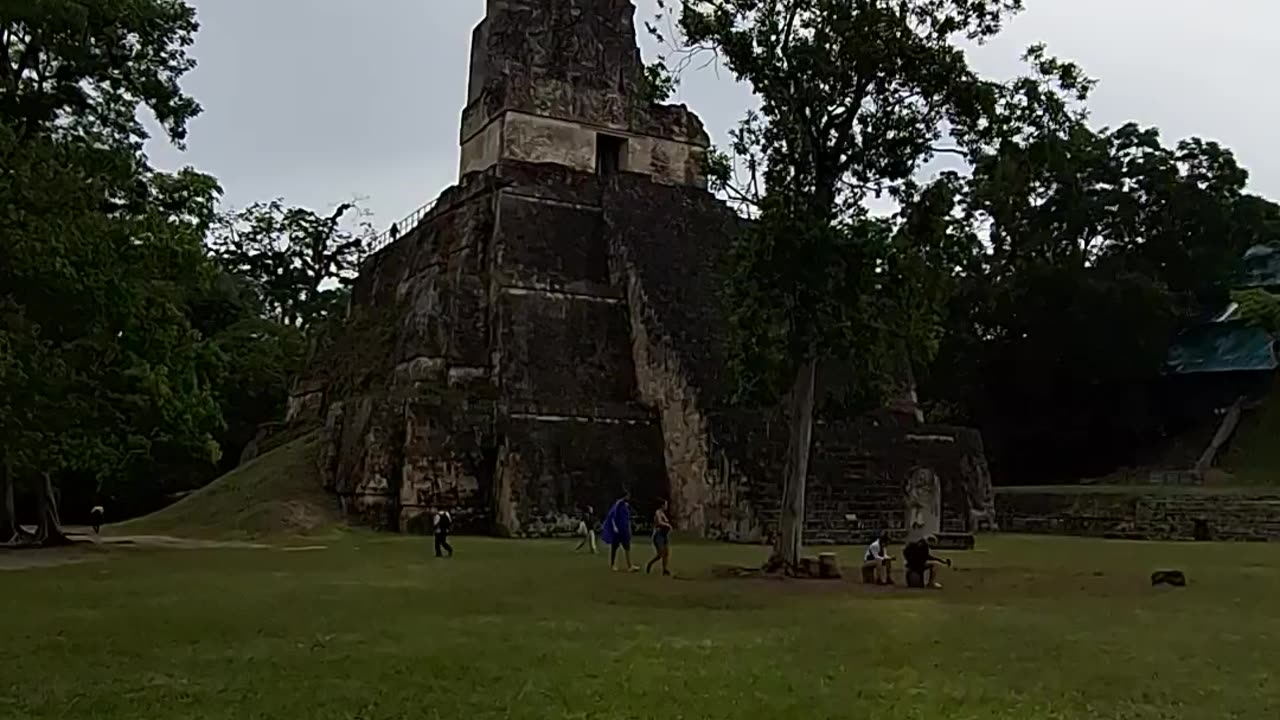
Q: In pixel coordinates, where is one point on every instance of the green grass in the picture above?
(372, 627)
(277, 493)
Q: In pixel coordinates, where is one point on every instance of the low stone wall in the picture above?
(858, 473)
(1138, 513)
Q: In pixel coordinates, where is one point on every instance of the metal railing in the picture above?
(397, 230)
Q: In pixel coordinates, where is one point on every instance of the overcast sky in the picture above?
(317, 101)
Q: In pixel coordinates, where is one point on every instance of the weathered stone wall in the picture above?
(548, 243)
(547, 337)
(705, 484)
(858, 472)
(582, 348)
(491, 369)
(574, 60)
(406, 430)
(547, 77)
(1139, 514)
(573, 432)
(565, 349)
(530, 138)
(671, 271)
(725, 463)
(554, 466)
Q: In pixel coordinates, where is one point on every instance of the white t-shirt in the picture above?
(875, 551)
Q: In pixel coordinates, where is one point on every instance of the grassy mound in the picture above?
(1254, 454)
(277, 493)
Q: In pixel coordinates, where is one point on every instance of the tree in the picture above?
(106, 377)
(78, 68)
(1099, 246)
(299, 263)
(257, 358)
(101, 377)
(854, 98)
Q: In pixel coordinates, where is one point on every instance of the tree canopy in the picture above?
(1047, 276)
(133, 359)
(297, 262)
(1099, 246)
(854, 98)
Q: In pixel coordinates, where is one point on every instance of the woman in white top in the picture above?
(878, 561)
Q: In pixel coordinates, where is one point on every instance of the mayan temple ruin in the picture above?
(548, 333)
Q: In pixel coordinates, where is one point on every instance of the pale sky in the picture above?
(317, 101)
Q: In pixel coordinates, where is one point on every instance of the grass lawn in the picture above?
(372, 627)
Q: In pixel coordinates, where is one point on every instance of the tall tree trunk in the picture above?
(800, 437)
(1230, 422)
(8, 510)
(49, 529)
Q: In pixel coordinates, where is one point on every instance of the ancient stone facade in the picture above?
(549, 335)
(1138, 513)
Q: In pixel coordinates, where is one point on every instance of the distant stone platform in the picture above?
(1142, 512)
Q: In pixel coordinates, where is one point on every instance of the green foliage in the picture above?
(1259, 307)
(659, 83)
(1099, 246)
(86, 68)
(105, 377)
(298, 263)
(854, 98)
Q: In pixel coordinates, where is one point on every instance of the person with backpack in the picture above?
(443, 523)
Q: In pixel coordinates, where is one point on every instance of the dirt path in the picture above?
(31, 558)
(86, 547)
(163, 541)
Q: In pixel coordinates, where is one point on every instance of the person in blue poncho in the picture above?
(616, 532)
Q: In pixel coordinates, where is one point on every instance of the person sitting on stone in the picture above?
(586, 530)
(877, 560)
(921, 562)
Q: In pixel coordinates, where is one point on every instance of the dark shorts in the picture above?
(622, 542)
(661, 541)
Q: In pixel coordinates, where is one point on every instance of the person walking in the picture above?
(616, 532)
(586, 531)
(97, 514)
(661, 539)
(443, 522)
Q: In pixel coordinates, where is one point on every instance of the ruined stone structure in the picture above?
(1138, 513)
(548, 335)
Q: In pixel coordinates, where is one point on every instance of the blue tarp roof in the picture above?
(1229, 346)
(1224, 343)
(1261, 267)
